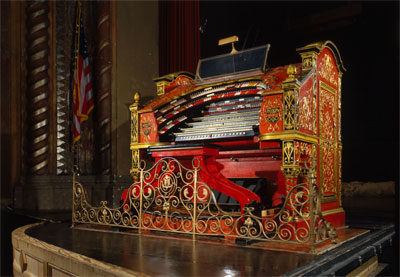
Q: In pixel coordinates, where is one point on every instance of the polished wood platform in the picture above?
(56, 248)
(164, 255)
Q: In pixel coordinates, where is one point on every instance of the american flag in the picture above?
(82, 83)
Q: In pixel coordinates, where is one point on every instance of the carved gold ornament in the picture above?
(290, 111)
(291, 171)
(160, 89)
(308, 63)
(327, 70)
(327, 114)
(288, 153)
(306, 111)
(328, 170)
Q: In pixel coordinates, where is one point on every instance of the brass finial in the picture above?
(136, 98)
(291, 71)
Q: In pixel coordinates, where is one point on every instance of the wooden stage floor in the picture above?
(162, 254)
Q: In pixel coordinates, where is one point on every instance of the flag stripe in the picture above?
(82, 83)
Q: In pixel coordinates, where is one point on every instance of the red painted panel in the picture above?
(336, 219)
(239, 144)
(251, 167)
(327, 68)
(270, 118)
(148, 128)
(261, 153)
(186, 152)
(306, 107)
(303, 151)
(270, 144)
(275, 76)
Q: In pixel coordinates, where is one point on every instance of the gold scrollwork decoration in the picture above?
(327, 69)
(306, 111)
(328, 169)
(327, 111)
(168, 197)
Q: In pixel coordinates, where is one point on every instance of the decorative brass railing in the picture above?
(169, 197)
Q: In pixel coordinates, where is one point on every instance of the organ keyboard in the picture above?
(229, 118)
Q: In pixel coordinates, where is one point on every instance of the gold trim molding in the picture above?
(146, 145)
(334, 211)
(291, 135)
(273, 92)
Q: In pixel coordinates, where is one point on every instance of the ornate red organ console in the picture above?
(251, 127)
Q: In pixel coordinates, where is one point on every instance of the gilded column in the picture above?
(38, 87)
(290, 100)
(290, 86)
(104, 79)
(135, 136)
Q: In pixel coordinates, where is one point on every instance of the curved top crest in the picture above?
(317, 47)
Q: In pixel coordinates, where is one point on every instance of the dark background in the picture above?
(367, 36)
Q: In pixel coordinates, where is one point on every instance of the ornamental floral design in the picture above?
(271, 114)
(290, 110)
(288, 153)
(328, 170)
(306, 109)
(327, 70)
(303, 151)
(327, 114)
(148, 130)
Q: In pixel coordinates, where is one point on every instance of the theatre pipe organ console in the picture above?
(251, 123)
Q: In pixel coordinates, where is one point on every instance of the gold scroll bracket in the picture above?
(228, 40)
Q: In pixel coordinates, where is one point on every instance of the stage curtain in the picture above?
(179, 36)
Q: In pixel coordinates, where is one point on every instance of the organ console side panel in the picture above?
(325, 59)
(265, 122)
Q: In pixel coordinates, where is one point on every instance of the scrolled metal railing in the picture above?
(169, 197)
